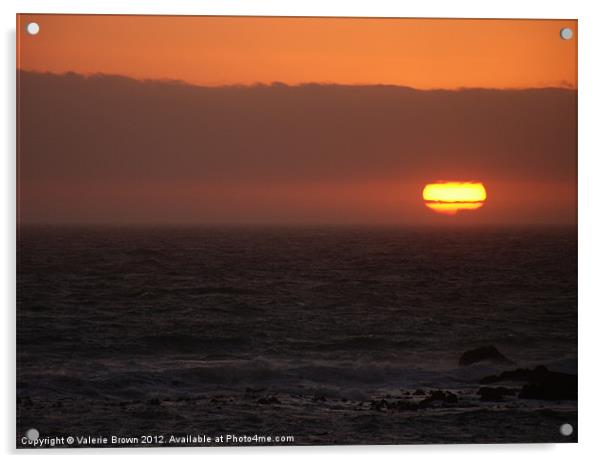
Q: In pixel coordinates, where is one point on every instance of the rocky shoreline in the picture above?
(523, 392)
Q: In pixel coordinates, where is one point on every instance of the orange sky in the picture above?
(419, 53)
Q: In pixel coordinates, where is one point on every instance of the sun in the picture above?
(450, 197)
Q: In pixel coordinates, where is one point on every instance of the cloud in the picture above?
(111, 130)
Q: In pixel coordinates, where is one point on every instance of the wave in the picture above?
(331, 378)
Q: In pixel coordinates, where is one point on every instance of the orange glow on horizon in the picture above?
(450, 197)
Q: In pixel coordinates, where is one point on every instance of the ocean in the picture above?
(322, 335)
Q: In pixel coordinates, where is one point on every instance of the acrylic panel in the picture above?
(295, 231)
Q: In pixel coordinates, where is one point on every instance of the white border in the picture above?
(590, 229)
(438, 8)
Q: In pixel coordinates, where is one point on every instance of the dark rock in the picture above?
(439, 399)
(553, 386)
(425, 403)
(318, 398)
(451, 398)
(404, 405)
(520, 374)
(490, 394)
(419, 392)
(482, 354)
(541, 383)
(154, 402)
(506, 390)
(379, 405)
(437, 395)
(495, 394)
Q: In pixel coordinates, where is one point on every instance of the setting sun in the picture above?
(451, 197)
